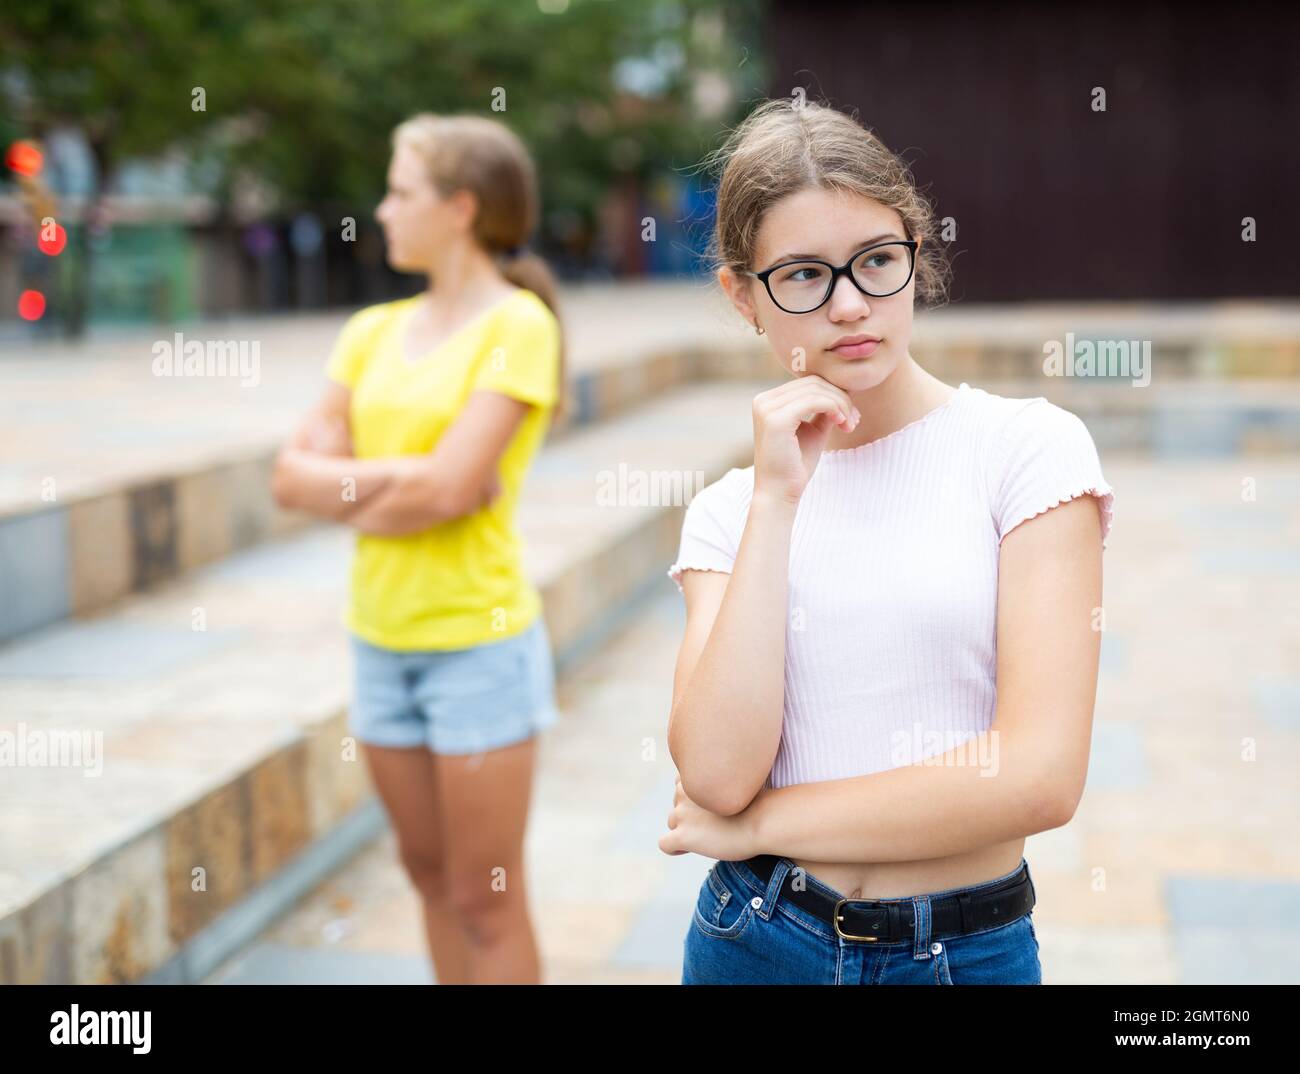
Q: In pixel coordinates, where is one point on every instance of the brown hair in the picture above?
(787, 145)
(487, 158)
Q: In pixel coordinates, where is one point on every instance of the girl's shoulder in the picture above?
(714, 521)
(360, 336)
(363, 329)
(1039, 455)
(993, 410)
(526, 307)
(1010, 417)
(1004, 422)
(378, 312)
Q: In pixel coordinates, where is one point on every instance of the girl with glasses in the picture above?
(887, 676)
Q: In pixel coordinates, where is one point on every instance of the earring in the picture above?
(759, 331)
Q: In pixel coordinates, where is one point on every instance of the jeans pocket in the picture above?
(721, 911)
(1006, 954)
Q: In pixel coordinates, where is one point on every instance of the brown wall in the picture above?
(991, 104)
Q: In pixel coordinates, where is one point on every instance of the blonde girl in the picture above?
(435, 408)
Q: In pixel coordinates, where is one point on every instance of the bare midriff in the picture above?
(900, 879)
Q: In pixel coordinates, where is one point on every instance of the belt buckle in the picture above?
(835, 921)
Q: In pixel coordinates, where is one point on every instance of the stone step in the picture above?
(1176, 418)
(96, 544)
(115, 479)
(172, 749)
(152, 497)
(603, 787)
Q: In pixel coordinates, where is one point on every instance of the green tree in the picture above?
(303, 96)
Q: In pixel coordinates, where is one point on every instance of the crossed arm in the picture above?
(316, 472)
(1048, 649)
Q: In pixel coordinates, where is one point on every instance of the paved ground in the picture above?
(1181, 865)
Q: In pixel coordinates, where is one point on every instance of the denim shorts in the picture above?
(457, 701)
(743, 933)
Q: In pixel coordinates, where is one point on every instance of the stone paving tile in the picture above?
(1236, 930)
(1238, 956)
(1261, 561)
(1118, 758)
(1058, 850)
(33, 547)
(1115, 655)
(311, 560)
(1266, 903)
(110, 649)
(1115, 954)
(655, 936)
(275, 964)
(1279, 700)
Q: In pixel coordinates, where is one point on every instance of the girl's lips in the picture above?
(857, 350)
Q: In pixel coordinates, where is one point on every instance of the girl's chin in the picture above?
(853, 377)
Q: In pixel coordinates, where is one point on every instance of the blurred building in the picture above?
(993, 104)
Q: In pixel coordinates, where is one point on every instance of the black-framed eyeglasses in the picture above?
(878, 271)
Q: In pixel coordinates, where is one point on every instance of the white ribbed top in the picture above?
(891, 636)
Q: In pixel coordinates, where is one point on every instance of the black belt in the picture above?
(892, 920)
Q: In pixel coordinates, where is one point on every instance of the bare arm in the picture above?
(725, 725)
(1029, 772)
(316, 472)
(457, 478)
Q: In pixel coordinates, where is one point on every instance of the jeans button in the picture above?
(935, 948)
(756, 902)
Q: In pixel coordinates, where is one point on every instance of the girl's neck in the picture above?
(461, 280)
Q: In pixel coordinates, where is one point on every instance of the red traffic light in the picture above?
(31, 305)
(24, 158)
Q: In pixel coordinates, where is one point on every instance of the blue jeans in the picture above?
(742, 932)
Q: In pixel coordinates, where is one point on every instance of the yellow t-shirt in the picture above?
(461, 582)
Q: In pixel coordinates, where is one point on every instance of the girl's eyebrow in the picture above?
(863, 243)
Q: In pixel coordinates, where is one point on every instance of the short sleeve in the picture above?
(354, 346)
(523, 360)
(1046, 457)
(710, 531)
